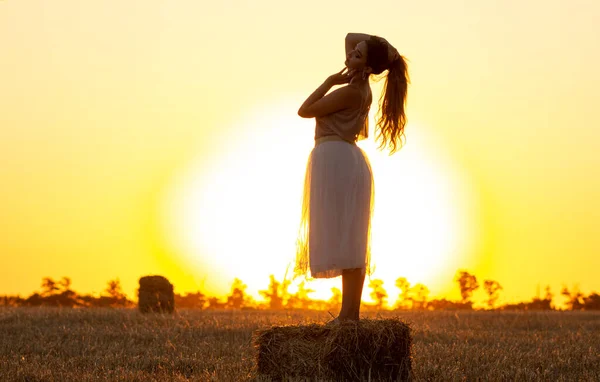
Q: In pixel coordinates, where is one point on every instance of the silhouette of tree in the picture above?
(285, 284)
(549, 296)
(592, 302)
(59, 293)
(214, 303)
(404, 298)
(492, 288)
(419, 296)
(237, 298)
(379, 294)
(444, 304)
(542, 304)
(575, 299)
(55, 294)
(536, 303)
(335, 302)
(301, 299)
(11, 301)
(65, 283)
(467, 284)
(194, 300)
(276, 292)
(115, 290)
(114, 296)
(49, 287)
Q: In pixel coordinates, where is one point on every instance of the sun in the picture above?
(236, 214)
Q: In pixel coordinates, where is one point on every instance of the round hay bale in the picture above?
(155, 294)
(367, 350)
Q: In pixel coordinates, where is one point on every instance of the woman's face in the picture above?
(357, 58)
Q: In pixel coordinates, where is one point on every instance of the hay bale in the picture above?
(367, 350)
(155, 294)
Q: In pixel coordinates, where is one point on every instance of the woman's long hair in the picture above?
(391, 116)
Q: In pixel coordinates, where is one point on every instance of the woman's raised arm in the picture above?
(354, 38)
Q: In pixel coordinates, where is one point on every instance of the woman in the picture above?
(335, 230)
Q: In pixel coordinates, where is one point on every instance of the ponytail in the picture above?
(391, 117)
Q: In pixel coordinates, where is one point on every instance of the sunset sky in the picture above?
(155, 137)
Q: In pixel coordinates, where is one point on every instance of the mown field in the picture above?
(52, 344)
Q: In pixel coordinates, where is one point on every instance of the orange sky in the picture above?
(148, 137)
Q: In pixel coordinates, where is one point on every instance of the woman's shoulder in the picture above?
(361, 91)
(359, 87)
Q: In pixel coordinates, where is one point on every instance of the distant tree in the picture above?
(492, 288)
(11, 301)
(379, 294)
(196, 300)
(575, 299)
(55, 294)
(35, 299)
(537, 303)
(444, 304)
(237, 298)
(405, 297)
(467, 284)
(276, 293)
(114, 295)
(592, 302)
(114, 290)
(549, 295)
(300, 300)
(542, 304)
(440, 304)
(49, 286)
(335, 302)
(65, 283)
(419, 296)
(285, 284)
(214, 303)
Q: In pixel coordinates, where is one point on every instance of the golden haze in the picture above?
(120, 119)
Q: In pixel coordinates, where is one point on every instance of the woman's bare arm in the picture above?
(354, 38)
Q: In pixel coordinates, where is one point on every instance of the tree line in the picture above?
(277, 296)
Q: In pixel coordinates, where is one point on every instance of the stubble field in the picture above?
(53, 344)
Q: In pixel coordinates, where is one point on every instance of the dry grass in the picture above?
(50, 344)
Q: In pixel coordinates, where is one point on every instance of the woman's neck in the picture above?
(358, 80)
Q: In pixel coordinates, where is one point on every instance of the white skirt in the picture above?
(337, 205)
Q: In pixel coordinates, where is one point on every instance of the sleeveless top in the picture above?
(350, 124)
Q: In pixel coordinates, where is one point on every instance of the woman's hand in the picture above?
(339, 78)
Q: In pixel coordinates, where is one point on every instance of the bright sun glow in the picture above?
(237, 215)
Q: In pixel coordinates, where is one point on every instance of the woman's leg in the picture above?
(359, 288)
(352, 286)
(348, 294)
